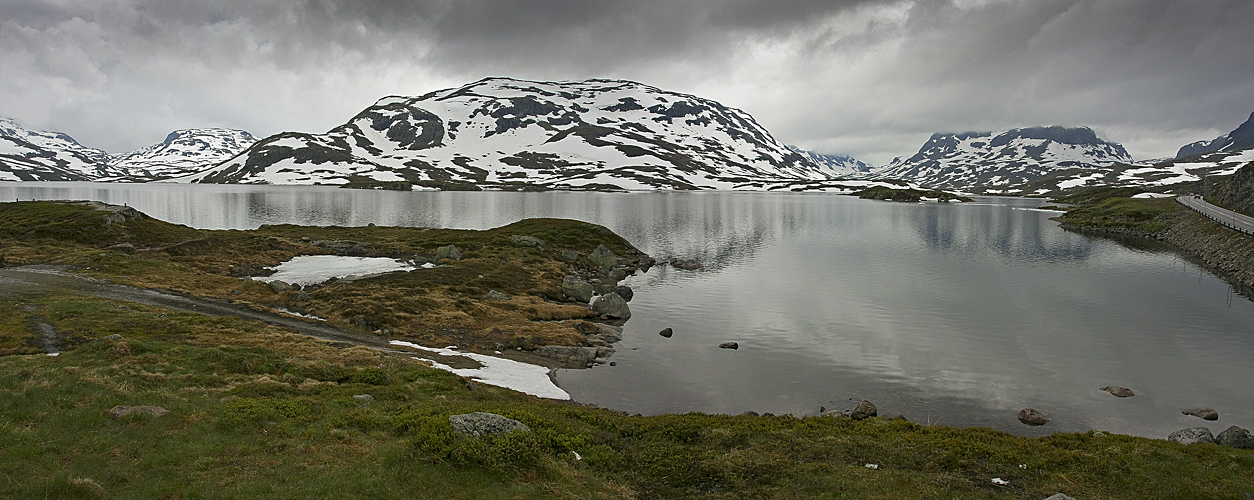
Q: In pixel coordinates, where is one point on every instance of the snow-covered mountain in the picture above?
(1240, 139)
(1219, 157)
(502, 133)
(182, 152)
(30, 155)
(836, 165)
(984, 162)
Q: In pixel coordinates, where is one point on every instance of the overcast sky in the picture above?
(868, 78)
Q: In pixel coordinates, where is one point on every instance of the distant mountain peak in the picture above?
(1239, 139)
(990, 162)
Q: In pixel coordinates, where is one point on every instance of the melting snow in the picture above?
(507, 373)
(314, 269)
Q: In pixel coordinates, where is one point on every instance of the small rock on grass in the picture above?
(363, 399)
(1030, 416)
(485, 424)
(863, 411)
(495, 295)
(1191, 435)
(1122, 392)
(1204, 413)
(121, 411)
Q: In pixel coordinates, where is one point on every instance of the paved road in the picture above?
(1240, 222)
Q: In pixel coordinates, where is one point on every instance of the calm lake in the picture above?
(952, 314)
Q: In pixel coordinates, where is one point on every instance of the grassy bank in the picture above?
(257, 412)
(1107, 210)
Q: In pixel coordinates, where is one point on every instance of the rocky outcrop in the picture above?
(569, 356)
(480, 424)
(448, 252)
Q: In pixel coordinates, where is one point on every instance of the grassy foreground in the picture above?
(257, 412)
(260, 412)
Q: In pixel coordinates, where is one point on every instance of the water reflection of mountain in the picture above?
(1005, 231)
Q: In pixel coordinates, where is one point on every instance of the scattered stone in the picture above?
(1236, 437)
(666, 332)
(749, 413)
(1030, 416)
(1204, 413)
(363, 399)
(121, 411)
(1122, 392)
(116, 336)
(603, 258)
(278, 286)
(448, 252)
(569, 255)
(822, 410)
(1192, 435)
(613, 363)
(624, 291)
(863, 411)
(685, 264)
(611, 305)
(837, 413)
(729, 345)
(525, 241)
(302, 296)
(495, 295)
(1059, 496)
(605, 352)
(485, 424)
(576, 289)
(892, 415)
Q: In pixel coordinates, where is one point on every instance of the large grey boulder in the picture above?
(485, 424)
(863, 411)
(1192, 435)
(576, 289)
(279, 286)
(1030, 416)
(1204, 413)
(610, 333)
(1236, 437)
(603, 258)
(611, 305)
(448, 252)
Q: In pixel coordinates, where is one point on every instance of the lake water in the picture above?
(957, 314)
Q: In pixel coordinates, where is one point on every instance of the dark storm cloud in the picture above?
(872, 78)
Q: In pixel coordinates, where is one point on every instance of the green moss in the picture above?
(1141, 215)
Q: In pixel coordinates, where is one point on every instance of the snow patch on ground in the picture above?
(500, 372)
(313, 269)
(1153, 195)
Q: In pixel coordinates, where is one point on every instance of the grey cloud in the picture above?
(872, 78)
